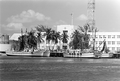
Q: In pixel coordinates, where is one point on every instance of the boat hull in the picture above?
(27, 54)
(78, 55)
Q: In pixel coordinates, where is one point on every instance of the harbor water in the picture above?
(58, 69)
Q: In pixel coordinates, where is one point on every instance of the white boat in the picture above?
(36, 53)
(76, 53)
(46, 53)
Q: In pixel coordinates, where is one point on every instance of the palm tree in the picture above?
(22, 44)
(85, 29)
(57, 39)
(40, 28)
(55, 36)
(39, 39)
(64, 39)
(48, 35)
(32, 41)
(76, 42)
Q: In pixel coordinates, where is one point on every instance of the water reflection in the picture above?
(56, 59)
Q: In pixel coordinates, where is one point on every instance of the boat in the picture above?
(102, 53)
(56, 54)
(77, 53)
(38, 53)
(115, 55)
(46, 53)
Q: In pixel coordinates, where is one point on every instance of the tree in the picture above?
(77, 42)
(32, 41)
(85, 29)
(39, 39)
(22, 42)
(55, 36)
(64, 38)
(40, 28)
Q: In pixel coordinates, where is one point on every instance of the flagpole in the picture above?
(21, 31)
(71, 19)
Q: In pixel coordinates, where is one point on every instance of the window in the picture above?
(109, 48)
(113, 36)
(113, 48)
(65, 31)
(118, 36)
(109, 36)
(113, 42)
(109, 42)
(118, 42)
(104, 36)
(118, 48)
(100, 36)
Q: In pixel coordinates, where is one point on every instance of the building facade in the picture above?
(112, 40)
(68, 29)
(4, 43)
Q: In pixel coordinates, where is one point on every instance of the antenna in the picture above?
(91, 13)
(91, 19)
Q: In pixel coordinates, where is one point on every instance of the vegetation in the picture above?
(79, 39)
(32, 41)
(28, 41)
(64, 38)
(51, 35)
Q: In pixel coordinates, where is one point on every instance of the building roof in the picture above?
(15, 36)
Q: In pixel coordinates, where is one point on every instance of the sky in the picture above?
(17, 14)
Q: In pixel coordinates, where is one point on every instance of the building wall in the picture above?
(69, 28)
(112, 40)
(4, 43)
(5, 47)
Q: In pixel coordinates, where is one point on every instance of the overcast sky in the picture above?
(17, 14)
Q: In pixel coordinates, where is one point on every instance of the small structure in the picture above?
(4, 44)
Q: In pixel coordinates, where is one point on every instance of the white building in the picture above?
(69, 29)
(112, 40)
(4, 43)
(66, 28)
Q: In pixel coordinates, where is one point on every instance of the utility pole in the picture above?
(91, 19)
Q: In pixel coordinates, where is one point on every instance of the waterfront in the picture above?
(58, 69)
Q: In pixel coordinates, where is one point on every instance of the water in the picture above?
(58, 69)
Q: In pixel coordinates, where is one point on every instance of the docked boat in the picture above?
(77, 53)
(115, 55)
(56, 54)
(46, 53)
(35, 54)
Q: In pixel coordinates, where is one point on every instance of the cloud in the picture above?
(14, 26)
(82, 17)
(28, 16)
